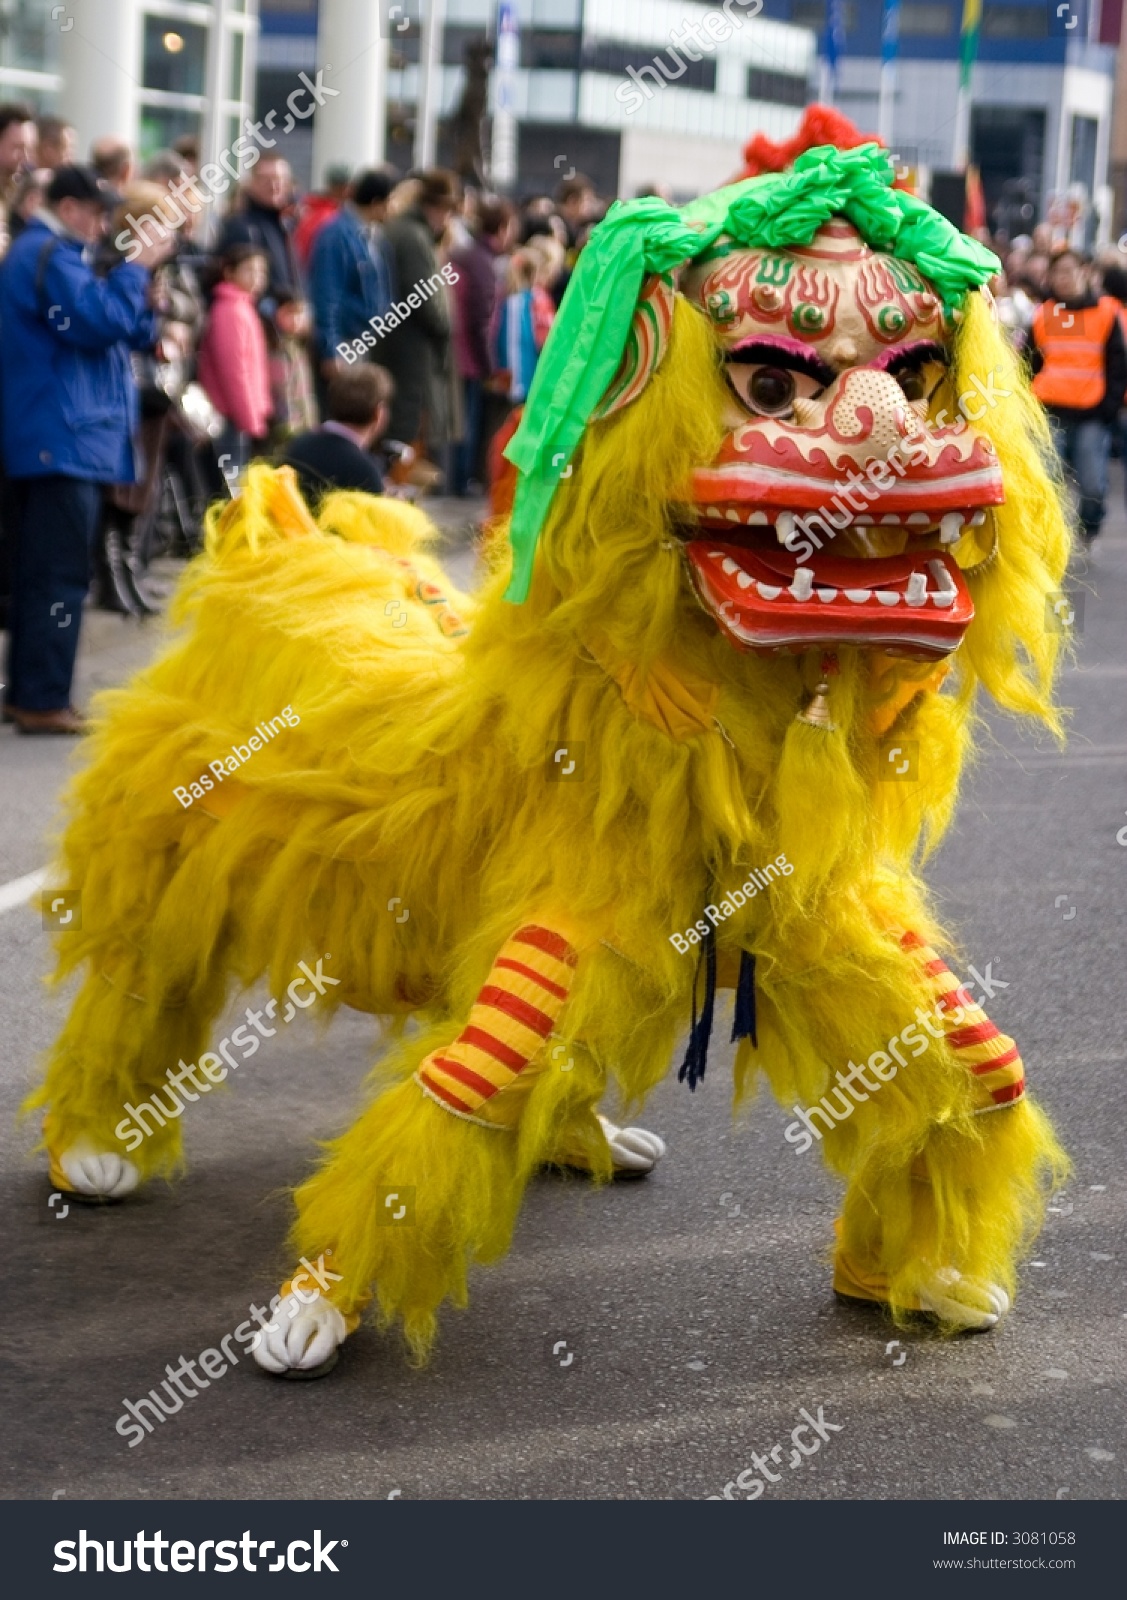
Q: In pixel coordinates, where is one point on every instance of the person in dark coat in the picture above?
(267, 191)
(476, 293)
(417, 352)
(69, 413)
(350, 282)
(337, 455)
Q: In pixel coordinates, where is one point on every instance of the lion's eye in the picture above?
(920, 373)
(770, 388)
(913, 382)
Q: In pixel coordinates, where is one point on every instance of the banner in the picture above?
(890, 32)
(833, 43)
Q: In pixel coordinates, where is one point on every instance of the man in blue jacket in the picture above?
(350, 280)
(68, 406)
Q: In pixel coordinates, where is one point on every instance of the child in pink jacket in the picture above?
(233, 364)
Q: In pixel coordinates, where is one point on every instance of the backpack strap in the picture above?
(46, 251)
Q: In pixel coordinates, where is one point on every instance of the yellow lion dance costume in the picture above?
(646, 761)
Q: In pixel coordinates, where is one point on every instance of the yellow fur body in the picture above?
(421, 770)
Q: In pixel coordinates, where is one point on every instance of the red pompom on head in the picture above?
(820, 125)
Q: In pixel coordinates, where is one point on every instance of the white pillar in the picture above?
(100, 64)
(351, 125)
(218, 72)
(887, 105)
(430, 82)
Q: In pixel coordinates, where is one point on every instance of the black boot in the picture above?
(115, 589)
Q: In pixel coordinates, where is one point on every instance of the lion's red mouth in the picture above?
(764, 599)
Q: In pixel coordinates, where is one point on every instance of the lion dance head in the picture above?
(780, 433)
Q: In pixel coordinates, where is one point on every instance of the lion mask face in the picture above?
(834, 511)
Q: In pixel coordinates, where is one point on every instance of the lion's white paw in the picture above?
(305, 1335)
(632, 1149)
(962, 1301)
(99, 1174)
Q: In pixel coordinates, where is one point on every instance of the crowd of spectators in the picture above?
(1066, 311)
(154, 341)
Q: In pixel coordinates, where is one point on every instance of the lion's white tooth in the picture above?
(858, 596)
(887, 597)
(919, 519)
(862, 520)
(729, 566)
(945, 590)
(744, 579)
(710, 511)
(732, 515)
(950, 527)
(803, 586)
(917, 590)
(758, 517)
(784, 526)
(769, 591)
(826, 595)
(978, 519)
(890, 520)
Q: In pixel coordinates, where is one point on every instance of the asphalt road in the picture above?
(695, 1305)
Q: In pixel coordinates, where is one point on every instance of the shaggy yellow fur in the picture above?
(422, 770)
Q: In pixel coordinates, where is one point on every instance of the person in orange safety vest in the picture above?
(1079, 361)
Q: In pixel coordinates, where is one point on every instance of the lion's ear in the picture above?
(646, 345)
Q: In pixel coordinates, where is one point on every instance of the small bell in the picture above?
(817, 713)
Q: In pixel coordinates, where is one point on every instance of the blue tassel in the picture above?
(743, 1023)
(696, 1054)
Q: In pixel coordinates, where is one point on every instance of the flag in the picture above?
(890, 31)
(968, 39)
(974, 214)
(833, 42)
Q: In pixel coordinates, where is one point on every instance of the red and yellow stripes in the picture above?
(990, 1056)
(482, 1074)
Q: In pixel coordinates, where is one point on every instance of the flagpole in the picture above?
(887, 102)
(889, 47)
(962, 128)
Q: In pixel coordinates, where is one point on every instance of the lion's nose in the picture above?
(866, 405)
